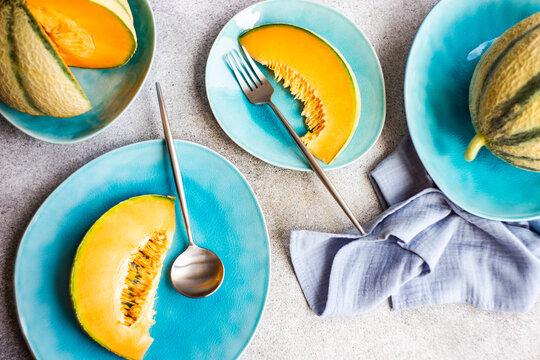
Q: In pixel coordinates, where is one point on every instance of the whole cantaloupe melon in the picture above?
(504, 98)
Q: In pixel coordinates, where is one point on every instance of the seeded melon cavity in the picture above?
(39, 39)
(116, 273)
(95, 34)
(316, 74)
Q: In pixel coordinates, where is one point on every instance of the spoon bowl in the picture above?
(197, 272)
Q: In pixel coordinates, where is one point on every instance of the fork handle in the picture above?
(317, 168)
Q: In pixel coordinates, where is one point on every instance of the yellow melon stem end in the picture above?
(474, 147)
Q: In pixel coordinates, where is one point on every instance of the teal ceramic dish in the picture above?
(216, 327)
(110, 91)
(255, 128)
(442, 60)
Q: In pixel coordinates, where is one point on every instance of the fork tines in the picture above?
(247, 73)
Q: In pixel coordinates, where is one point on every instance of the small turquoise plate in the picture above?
(255, 128)
(225, 217)
(442, 60)
(110, 91)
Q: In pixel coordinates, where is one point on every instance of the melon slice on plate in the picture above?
(116, 273)
(88, 33)
(33, 77)
(318, 75)
(39, 39)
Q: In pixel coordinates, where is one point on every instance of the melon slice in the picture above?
(33, 77)
(116, 273)
(318, 75)
(88, 33)
(39, 39)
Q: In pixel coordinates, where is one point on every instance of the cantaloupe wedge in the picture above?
(33, 77)
(39, 39)
(318, 75)
(88, 33)
(116, 273)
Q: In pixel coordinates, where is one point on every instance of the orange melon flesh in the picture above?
(318, 75)
(88, 33)
(104, 273)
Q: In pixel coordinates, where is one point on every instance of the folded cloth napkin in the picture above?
(423, 249)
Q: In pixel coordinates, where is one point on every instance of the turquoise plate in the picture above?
(442, 60)
(255, 128)
(110, 91)
(217, 327)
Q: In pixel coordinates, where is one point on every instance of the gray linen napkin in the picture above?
(421, 250)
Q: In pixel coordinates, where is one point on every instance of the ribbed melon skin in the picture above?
(504, 97)
(33, 77)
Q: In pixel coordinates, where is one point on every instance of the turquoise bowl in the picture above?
(217, 327)
(110, 91)
(255, 128)
(442, 60)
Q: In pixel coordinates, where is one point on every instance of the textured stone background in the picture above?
(30, 170)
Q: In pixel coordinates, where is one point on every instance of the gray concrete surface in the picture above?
(30, 170)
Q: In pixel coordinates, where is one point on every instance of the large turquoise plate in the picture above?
(255, 128)
(110, 91)
(441, 63)
(225, 217)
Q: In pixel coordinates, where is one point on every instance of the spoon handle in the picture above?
(174, 163)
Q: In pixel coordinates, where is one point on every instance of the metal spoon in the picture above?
(197, 272)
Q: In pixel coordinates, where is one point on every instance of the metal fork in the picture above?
(259, 91)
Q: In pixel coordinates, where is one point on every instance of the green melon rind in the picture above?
(531, 149)
(44, 75)
(32, 94)
(520, 162)
(11, 89)
(46, 43)
(512, 109)
(494, 56)
(508, 155)
(517, 138)
(81, 247)
(513, 88)
(42, 83)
